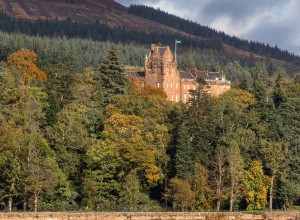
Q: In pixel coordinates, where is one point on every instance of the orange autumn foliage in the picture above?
(24, 62)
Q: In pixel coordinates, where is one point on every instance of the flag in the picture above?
(177, 41)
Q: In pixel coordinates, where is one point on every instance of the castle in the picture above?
(161, 72)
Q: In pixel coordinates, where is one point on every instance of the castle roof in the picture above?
(207, 75)
(186, 75)
(134, 74)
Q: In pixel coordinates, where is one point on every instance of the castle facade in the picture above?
(161, 72)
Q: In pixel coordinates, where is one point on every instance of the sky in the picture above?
(275, 22)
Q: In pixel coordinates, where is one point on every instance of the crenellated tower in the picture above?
(161, 71)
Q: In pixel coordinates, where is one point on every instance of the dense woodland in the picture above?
(76, 134)
(205, 32)
(98, 31)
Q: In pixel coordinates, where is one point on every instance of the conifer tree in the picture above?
(260, 89)
(184, 153)
(279, 93)
(112, 75)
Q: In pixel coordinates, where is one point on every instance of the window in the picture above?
(194, 87)
(183, 86)
(172, 98)
(176, 98)
(184, 98)
(176, 85)
(171, 85)
(158, 85)
(188, 87)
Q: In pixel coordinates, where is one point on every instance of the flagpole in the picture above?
(176, 42)
(175, 49)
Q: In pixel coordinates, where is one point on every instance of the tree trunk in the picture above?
(218, 204)
(271, 193)
(10, 200)
(24, 205)
(219, 164)
(232, 193)
(231, 200)
(9, 203)
(35, 202)
(25, 201)
(219, 186)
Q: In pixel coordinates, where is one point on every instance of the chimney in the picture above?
(193, 70)
(153, 47)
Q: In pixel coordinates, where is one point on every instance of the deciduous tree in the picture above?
(24, 64)
(257, 185)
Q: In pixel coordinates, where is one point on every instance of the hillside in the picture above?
(82, 11)
(232, 45)
(145, 20)
(76, 135)
(37, 9)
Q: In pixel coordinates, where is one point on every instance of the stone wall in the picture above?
(185, 87)
(217, 89)
(149, 216)
(161, 72)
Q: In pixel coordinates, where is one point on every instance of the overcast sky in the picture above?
(270, 21)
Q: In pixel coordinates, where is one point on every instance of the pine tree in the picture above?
(279, 93)
(112, 75)
(184, 153)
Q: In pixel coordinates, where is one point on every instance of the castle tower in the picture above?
(161, 71)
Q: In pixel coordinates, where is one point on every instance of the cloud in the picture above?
(268, 21)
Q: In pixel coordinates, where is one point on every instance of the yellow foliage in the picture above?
(242, 97)
(127, 134)
(257, 185)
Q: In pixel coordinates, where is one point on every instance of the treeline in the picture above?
(96, 31)
(77, 54)
(90, 140)
(74, 52)
(196, 29)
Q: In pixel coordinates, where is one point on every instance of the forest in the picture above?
(205, 32)
(77, 135)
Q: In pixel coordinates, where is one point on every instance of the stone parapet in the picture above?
(149, 216)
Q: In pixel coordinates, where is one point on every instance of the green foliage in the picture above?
(290, 112)
(132, 198)
(235, 171)
(201, 134)
(257, 184)
(112, 75)
(184, 153)
(201, 188)
(100, 185)
(216, 37)
(88, 139)
(181, 193)
(279, 94)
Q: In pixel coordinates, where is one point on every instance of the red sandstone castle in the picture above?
(161, 72)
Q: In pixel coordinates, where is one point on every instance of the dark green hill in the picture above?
(198, 30)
